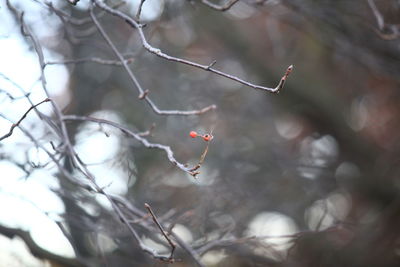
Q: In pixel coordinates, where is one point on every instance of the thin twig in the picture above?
(378, 16)
(223, 7)
(194, 171)
(75, 21)
(63, 171)
(171, 243)
(142, 92)
(149, 132)
(75, 159)
(385, 31)
(159, 53)
(39, 51)
(139, 213)
(21, 119)
(93, 59)
(139, 11)
(138, 137)
(79, 165)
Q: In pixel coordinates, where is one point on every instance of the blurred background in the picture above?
(306, 177)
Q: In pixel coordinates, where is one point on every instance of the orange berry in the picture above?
(193, 134)
(207, 137)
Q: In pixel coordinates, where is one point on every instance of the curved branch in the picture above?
(21, 119)
(223, 7)
(37, 251)
(159, 53)
(142, 93)
(138, 137)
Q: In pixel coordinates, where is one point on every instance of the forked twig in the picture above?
(159, 53)
(143, 94)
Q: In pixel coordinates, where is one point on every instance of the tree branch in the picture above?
(171, 243)
(142, 92)
(92, 59)
(159, 53)
(21, 119)
(38, 251)
(138, 137)
(223, 7)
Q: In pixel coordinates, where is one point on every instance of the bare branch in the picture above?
(159, 53)
(194, 171)
(75, 21)
(223, 7)
(139, 11)
(142, 92)
(385, 31)
(39, 251)
(137, 212)
(172, 244)
(149, 132)
(92, 59)
(377, 14)
(21, 119)
(76, 161)
(137, 136)
(99, 190)
(63, 171)
(39, 51)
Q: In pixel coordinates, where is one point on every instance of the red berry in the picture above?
(193, 134)
(207, 137)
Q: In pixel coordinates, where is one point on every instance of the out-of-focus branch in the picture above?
(38, 251)
(72, 34)
(377, 14)
(73, 2)
(92, 59)
(63, 171)
(94, 187)
(291, 238)
(137, 212)
(72, 20)
(143, 94)
(21, 119)
(159, 53)
(139, 11)
(385, 31)
(39, 51)
(10, 96)
(171, 243)
(77, 163)
(222, 7)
